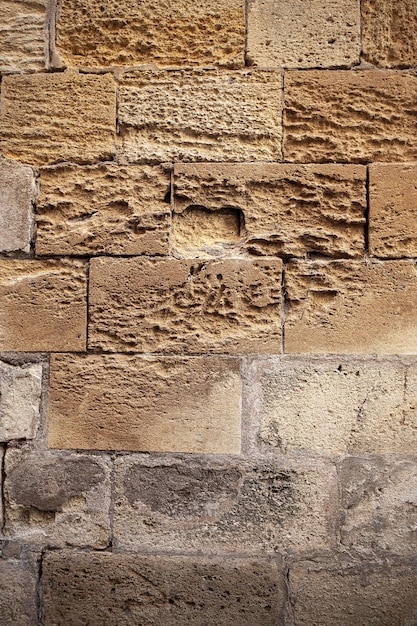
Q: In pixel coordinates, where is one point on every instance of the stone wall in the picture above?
(208, 320)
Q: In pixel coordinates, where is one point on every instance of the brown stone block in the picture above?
(269, 209)
(22, 35)
(200, 115)
(18, 598)
(43, 305)
(183, 306)
(20, 396)
(355, 307)
(17, 194)
(355, 116)
(103, 209)
(48, 118)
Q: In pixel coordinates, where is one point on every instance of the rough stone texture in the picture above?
(22, 36)
(228, 507)
(57, 499)
(175, 405)
(43, 305)
(48, 118)
(355, 116)
(200, 116)
(325, 593)
(153, 31)
(379, 500)
(20, 395)
(303, 33)
(284, 209)
(182, 306)
(161, 590)
(393, 210)
(351, 307)
(388, 32)
(103, 208)
(18, 589)
(17, 191)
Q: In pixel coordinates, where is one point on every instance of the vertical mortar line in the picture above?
(288, 612)
(34, 203)
(283, 307)
(245, 17)
(282, 115)
(87, 304)
(111, 508)
(39, 598)
(367, 207)
(360, 32)
(50, 34)
(3, 497)
(171, 209)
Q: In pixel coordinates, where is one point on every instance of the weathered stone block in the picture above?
(18, 591)
(182, 306)
(103, 208)
(269, 209)
(200, 116)
(22, 35)
(351, 307)
(224, 507)
(20, 395)
(358, 116)
(17, 191)
(57, 499)
(162, 32)
(161, 590)
(43, 305)
(48, 118)
(177, 405)
(303, 33)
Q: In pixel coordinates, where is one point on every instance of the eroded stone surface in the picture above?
(20, 395)
(183, 306)
(48, 118)
(18, 590)
(22, 35)
(43, 305)
(355, 116)
(103, 208)
(351, 307)
(200, 116)
(17, 191)
(284, 209)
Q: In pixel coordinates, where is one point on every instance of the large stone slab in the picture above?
(17, 194)
(22, 35)
(20, 396)
(18, 598)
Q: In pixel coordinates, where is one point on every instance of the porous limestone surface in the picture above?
(17, 194)
(20, 396)
(22, 35)
(18, 589)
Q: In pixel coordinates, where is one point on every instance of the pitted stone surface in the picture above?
(22, 35)
(20, 395)
(17, 193)
(18, 590)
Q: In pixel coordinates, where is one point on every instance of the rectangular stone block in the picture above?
(269, 209)
(48, 118)
(57, 499)
(182, 306)
(168, 405)
(17, 194)
(18, 598)
(303, 33)
(20, 397)
(224, 507)
(161, 590)
(44, 306)
(22, 35)
(181, 115)
(358, 116)
(132, 33)
(345, 307)
(103, 209)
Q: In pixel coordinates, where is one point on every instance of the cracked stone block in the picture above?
(18, 598)
(20, 396)
(22, 35)
(161, 590)
(17, 191)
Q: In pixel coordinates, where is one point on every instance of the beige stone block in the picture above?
(269, 209)
(388, 32)
(168, 405)
(22, 35)
(18, 596)
(164, 590)
(48, 118)
(57, 499)
(44, 305)
(20, 396)
(17, 193)
(183, 306)
(224, 507)
(357, 116)
(200, 116)
(103, 209)
(303, 33)
(345, 307)
(167, 33)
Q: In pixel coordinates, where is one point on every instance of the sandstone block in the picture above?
(57, 499)
(224, 507)
(177, 405)
(48, 118)
(182, 306)
(166, 33)
(18, 591)
(17, 190)
(358, 116)
(269, 209)
(20, 396)
(22, 35)
(43, 305)
(303, 34)
(200, 116)
(351, 307)
(103, 208)
(161, 590)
